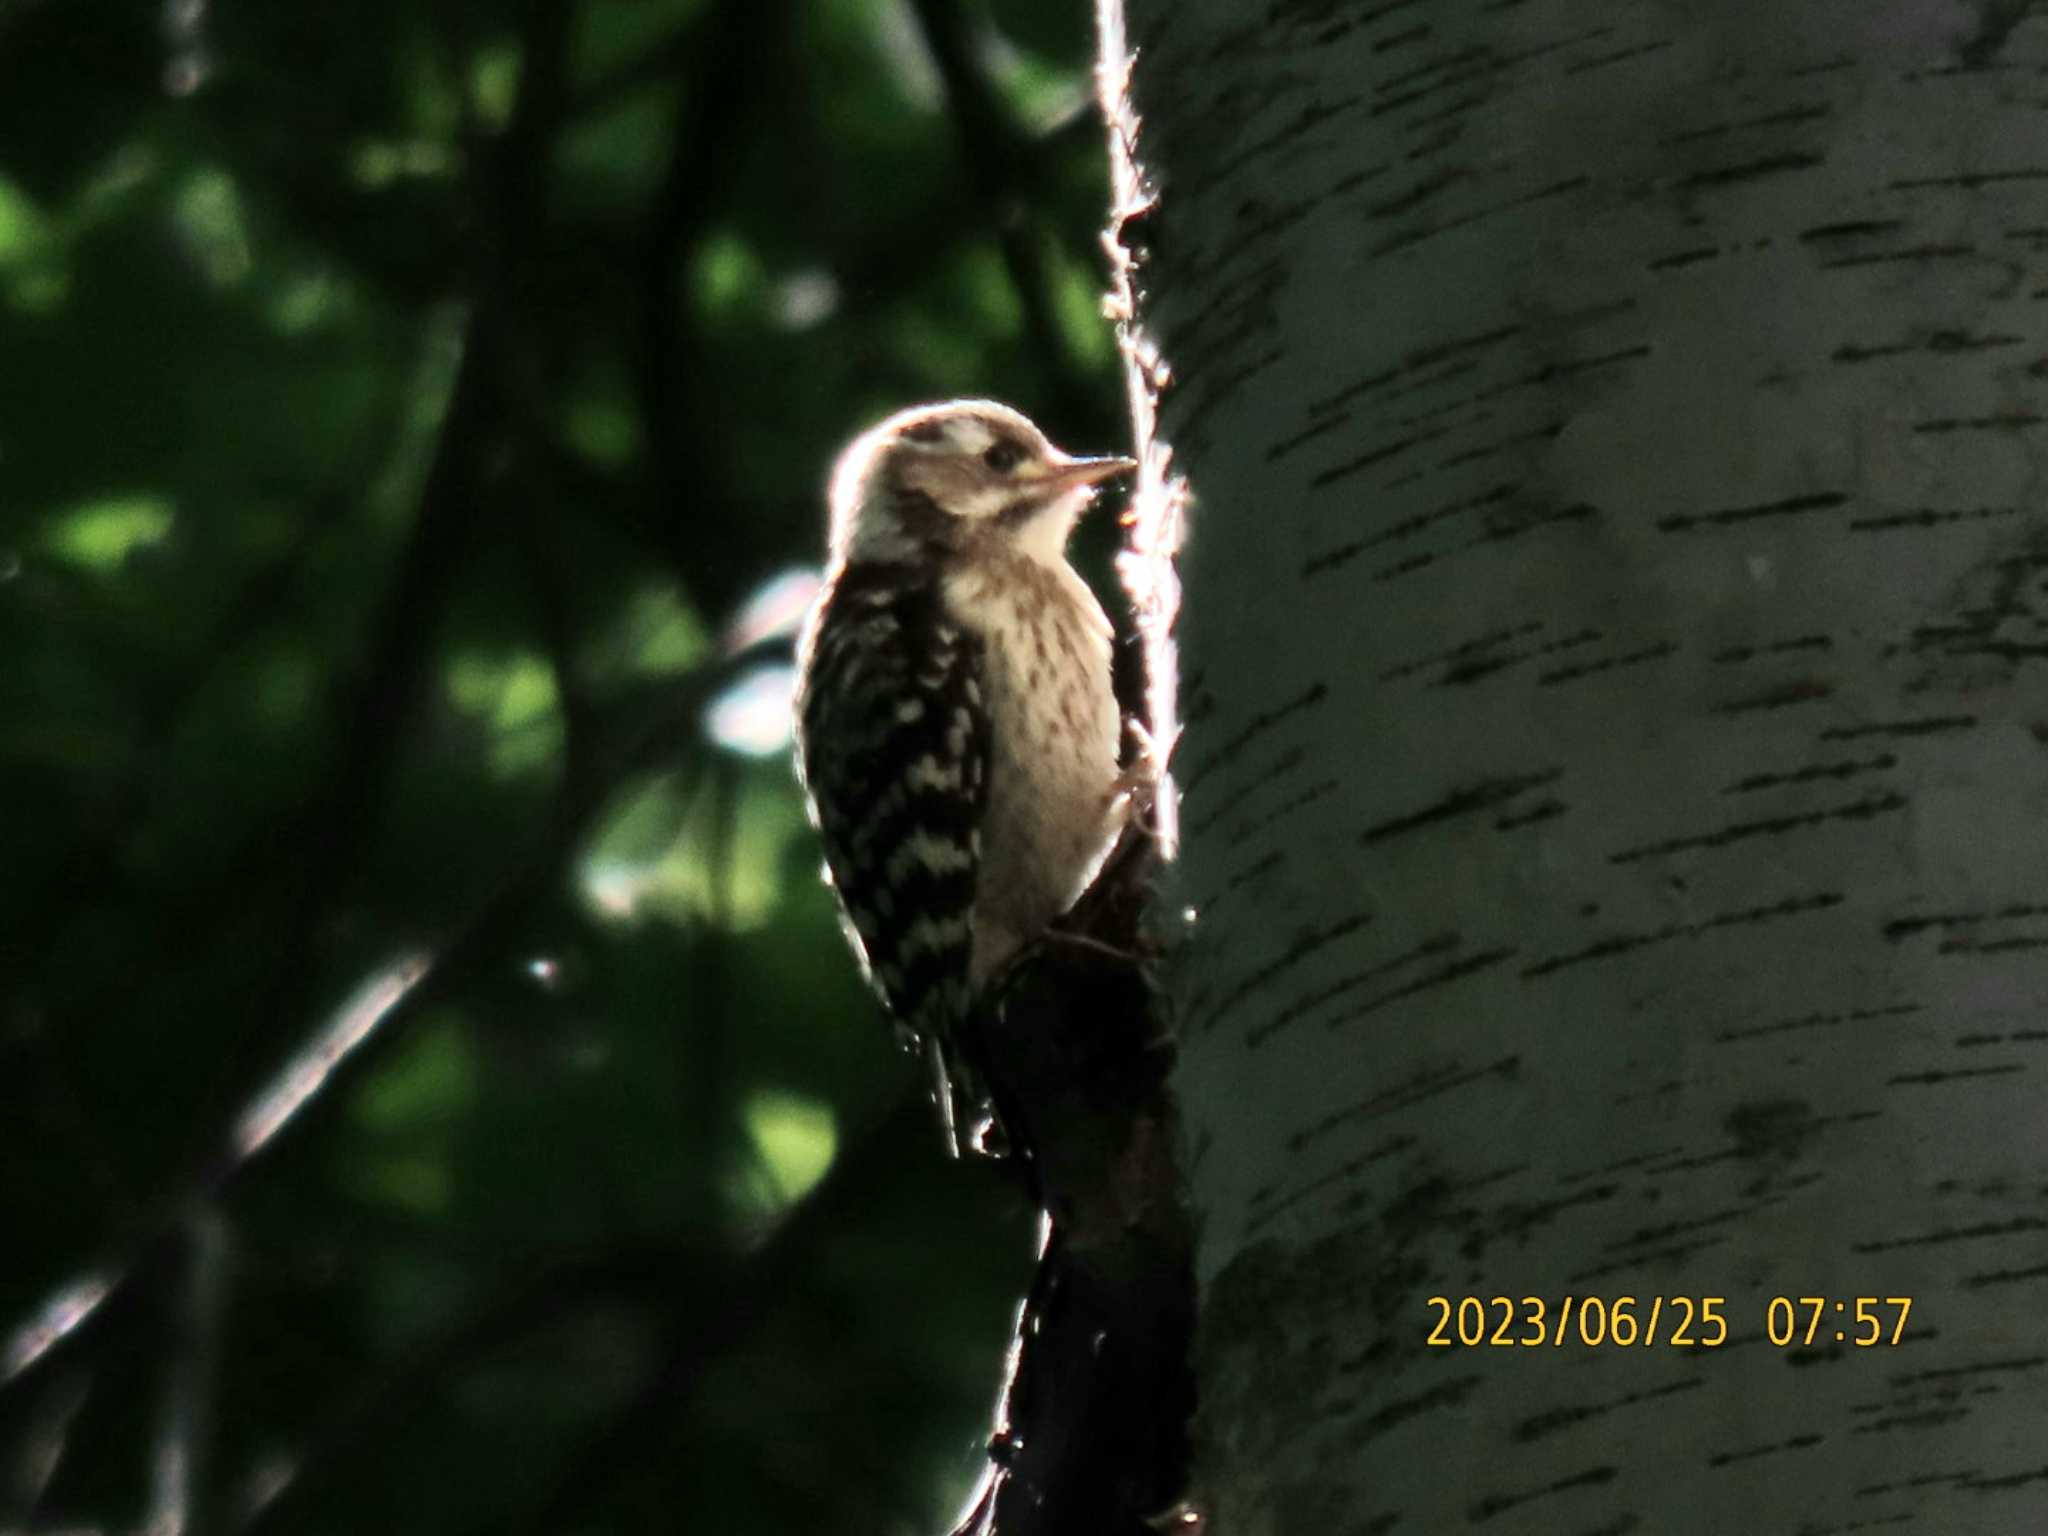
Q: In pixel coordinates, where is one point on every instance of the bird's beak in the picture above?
(1065, 474)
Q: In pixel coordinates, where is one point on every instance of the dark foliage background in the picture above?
(410, 420)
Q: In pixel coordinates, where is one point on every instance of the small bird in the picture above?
(957, 734)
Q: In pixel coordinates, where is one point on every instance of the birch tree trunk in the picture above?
(1614, 666)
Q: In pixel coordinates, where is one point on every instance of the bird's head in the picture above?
(951, 479)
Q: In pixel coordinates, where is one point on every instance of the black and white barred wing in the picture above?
(893, 743)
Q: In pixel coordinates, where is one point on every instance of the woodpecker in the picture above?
(957, 735)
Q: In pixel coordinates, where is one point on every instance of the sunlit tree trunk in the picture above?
(1614, 675)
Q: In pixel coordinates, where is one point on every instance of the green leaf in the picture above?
(100, 535)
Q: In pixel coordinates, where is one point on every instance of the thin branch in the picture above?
(704, 1334)
(645, 729)
(333, 831)
(734, 72)
(1008, 179)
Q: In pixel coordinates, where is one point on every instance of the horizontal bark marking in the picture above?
(1769, 826)
(1805, 690)
(1515, 1220)
(1374, 456)
(1275, 452)
(1684, 258)
(1209, 901)
(1968, 181)
(2001, 421)
(1450, 1393)
(1649, 1236)
(1484, 62)
(1627, 943)
(1462, 107)
(1487, 450)
(1416, 237)
(1895, 1422)
(1418, 194)
(1430, 385)
(1780, 1145)
(1940, 1373)
(1568, 674)
(1342, 554)
(1301, 949)
(1457, 970)
(1274, 772)
(1992, 946)
(1432, 1083)
(1402, 568)
(1784, 117)
(1478, 796)
(2005, 1277)
(2010, 1480)
(1351, 181)
(2016, 1037)
(1905, 927)
(1381, 12)
(1928, 517)
(1619, 1165)
(1322, 789)
(1500, 1503)
(1932, 725)
(1218, 387)
(1268, 1206)
(1846, 769)
(1269, 222)
(1244, 877)
(1505, 530)
(1310, 116)
(1740, 653)
(1542, 810)
(1472, 669)
(1252, 729)
(1412, 362)
(1408, 527)
(1736, 1458)
(1914, 254)
(1672, 1260)
(1550, 1422)
(1402, 99)
(1549, 373)
(1393, 40)
(1308, 1002)
(1748, 170)
(1934, 1079)
(1850, 229)
(1619, 56)
(1477, 53)
(1933, 341)
(1464, 650)
(1817, 1021)
(2017, 1226)
(1790, 506)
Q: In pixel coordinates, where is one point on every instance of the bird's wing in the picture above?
(893, 745)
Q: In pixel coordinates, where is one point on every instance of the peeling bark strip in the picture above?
(1617, 816)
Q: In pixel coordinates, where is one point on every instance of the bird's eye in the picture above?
(1002, 455)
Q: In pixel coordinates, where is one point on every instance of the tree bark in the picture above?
(1614, 662)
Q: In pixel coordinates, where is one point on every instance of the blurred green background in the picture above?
(436, 1094)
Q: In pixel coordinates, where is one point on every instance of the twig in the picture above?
(734, 71)
(1007, 177)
